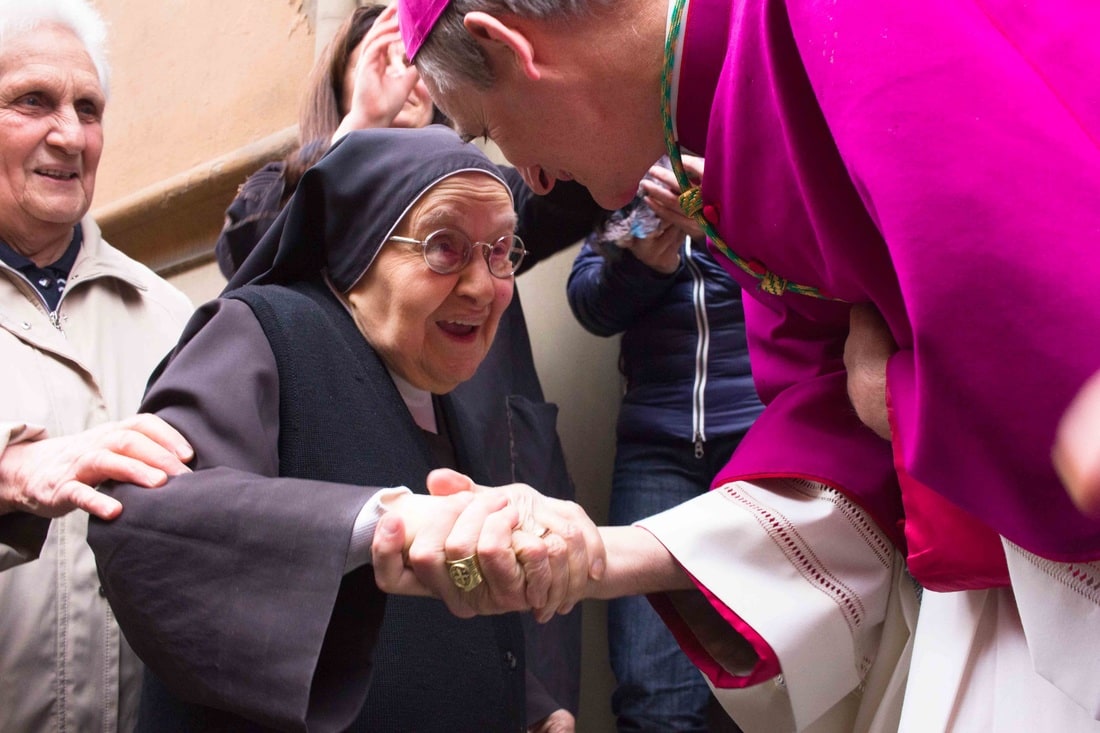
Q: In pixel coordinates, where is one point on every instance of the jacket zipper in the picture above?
(702, 348)
(53, 315)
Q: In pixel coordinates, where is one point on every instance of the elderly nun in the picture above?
(320, 375)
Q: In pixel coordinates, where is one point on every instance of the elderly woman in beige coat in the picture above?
(81, 327)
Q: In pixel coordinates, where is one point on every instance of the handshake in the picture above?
(494, 550)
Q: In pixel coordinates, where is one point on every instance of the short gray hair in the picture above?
(79, 16)
(450, 57)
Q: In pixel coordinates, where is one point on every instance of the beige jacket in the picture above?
(63, 663)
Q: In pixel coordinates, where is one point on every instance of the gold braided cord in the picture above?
(691, 198)
(691, 201)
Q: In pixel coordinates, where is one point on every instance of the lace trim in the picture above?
(801, 555)
(876, 541)
(1083, 578)
(691, 198)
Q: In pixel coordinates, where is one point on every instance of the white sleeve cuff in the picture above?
(362, 534)
(802, 567)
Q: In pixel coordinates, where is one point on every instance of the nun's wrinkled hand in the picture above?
(543, 560)
(414, 551)
(405, 517)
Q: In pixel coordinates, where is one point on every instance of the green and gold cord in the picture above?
(691, 198)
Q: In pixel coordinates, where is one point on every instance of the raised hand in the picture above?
(52, 477)
(383, 81)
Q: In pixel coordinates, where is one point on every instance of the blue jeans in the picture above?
(658, 688)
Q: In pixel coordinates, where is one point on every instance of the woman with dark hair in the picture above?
(357, 83)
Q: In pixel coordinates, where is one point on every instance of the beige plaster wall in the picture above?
(194, 80)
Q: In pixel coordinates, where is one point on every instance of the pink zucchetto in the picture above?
(417, 18)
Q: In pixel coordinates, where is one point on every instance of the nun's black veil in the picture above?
(346, 207)
(348, 204)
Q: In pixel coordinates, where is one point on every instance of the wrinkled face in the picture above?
(51, 131)
(434, 330)
(551, 133)
(418, 108)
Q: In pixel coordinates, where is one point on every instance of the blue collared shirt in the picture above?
(50, 280)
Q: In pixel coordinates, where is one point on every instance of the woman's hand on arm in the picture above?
(52, 477)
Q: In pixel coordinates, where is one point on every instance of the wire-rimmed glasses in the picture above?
(447, 251)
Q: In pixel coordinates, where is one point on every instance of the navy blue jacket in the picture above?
(683, 350)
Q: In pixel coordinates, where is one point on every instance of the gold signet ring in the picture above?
(465, 573)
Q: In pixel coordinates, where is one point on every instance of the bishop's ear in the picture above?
(498, 39)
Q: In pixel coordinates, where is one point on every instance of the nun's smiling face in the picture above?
(434, 330)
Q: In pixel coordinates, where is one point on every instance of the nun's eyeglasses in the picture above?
(448, 250)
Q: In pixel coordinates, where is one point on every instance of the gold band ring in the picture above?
(465, 573)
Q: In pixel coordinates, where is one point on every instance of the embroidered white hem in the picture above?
(809, 572)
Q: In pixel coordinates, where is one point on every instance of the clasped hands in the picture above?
(534, 552)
